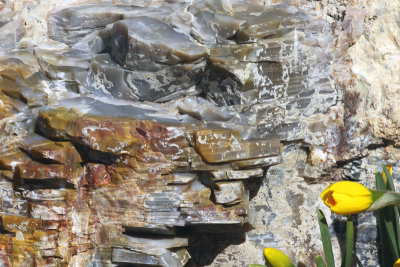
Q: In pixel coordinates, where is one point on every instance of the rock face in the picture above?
(160, 133)
(92, 174)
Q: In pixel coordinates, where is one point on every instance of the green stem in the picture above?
(349, 242)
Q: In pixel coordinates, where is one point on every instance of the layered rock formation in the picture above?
(157, 133)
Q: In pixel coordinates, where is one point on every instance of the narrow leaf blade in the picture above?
(388, 245)
(320, 262)
(387, 257)
(326, 239)
(390, 231)
(393, 211)
(380, 183)
(357, 259)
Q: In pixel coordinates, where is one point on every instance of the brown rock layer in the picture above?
(68, 200)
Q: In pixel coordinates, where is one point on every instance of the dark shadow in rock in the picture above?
(40, 129)
(351, 170)
(119, 44)
(253, 185)
(220, 86)
(206, 179)
(94, 156)
(35, 184)
(37, 159)
(300, 264)
(150, 232)
(207, 241)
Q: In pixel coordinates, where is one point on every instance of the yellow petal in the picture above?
(349, 188)
(277, 258)
(390, 169)
(397, 263)
(347, 197)
(352, 205)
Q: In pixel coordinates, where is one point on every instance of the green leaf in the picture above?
(257, 265)
(391, 226)
(387, 257)
(357, 259)
(326, 239)
(320, 261)
(348, 253)
(393, 211)
(380, 183)
(388, 242)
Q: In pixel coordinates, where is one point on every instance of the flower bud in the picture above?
(390, 169)
(347, 197)
(277, 258)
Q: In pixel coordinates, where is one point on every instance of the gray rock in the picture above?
(139, 41)
(106, 78)
(69, 25)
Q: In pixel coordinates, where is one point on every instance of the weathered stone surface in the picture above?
(238, 74)
(7, 108)
(11, 30)
(12, 223)
(148, 141)
(374, 61)
(47, 194)
(14, 84)
(220, 146)
(133, 250)
(64, 64)
(110, 173)
(69, 25)
(237, 175)
(11, 159)
(40, 148)
(167, 82)
(97, 175)
(148, 41)
(262, 162)
(34, 170)
(229, 193)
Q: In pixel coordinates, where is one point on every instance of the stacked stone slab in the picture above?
(89, 175)
(137, 129)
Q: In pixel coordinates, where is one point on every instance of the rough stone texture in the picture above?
(381, 43)
(259, 106)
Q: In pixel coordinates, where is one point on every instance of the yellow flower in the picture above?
(347, 197)
(277, 258)
(390, 169)
(397, 263)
